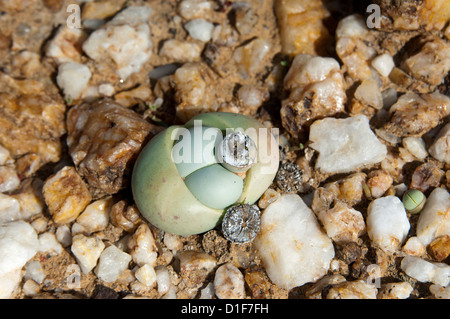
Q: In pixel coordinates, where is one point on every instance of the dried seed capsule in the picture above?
(289, 178)
(414, 200)
(241, 223)
(237, 152)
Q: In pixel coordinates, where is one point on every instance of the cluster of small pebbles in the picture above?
(363, 111)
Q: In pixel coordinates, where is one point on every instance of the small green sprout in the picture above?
(414, 200)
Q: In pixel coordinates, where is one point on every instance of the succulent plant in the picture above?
(414, 201)
(191, 197)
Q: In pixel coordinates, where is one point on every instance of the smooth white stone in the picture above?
(63, 235)
(163, 280)
(293, 247)
(18, 244)
(345, 144)
(416, 146)
(440, 149)
(387, 223)
(434, 219)
(112, 263)
(9, 282)
(199, 29)
(425, 271)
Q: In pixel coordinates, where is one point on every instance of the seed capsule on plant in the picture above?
(237, 152)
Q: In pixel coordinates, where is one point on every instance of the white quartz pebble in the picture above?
(73, 79)
(181, 51)
(87, 250)
(142, 246)
(112, 263)
(96, 216)
(171, 294)
(345, 144)
(30, 288)
(368, 92)
(440, 149)
(416, 146)
(199, 29)
(434, 219)
(9, 283)
(229, 282)
(146, 275)
(125, 39)
(132, 15)
(351, 26)
(9, 209)
(189, 9)
(425, 271)
(64, 46)
(18, 244)
(5, 157)
(387, 223)
(173, 242)
(342, 223)
(163, 280)
(34, 270)
(293, 247)
(440, 292)
(63, 235)
(383, 63)
(48, 243)
(9, 180)
(207, 292)
(249, 56)
(414, 247)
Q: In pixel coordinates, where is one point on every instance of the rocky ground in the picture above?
(362, 104)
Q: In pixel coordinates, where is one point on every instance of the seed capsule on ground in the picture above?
(241, 223)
